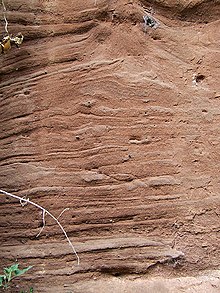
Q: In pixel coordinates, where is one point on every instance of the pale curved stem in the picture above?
(4, 15)
(45, 212)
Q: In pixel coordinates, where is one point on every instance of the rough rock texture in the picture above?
(119, 124)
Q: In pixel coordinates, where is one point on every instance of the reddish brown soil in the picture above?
(122, 127)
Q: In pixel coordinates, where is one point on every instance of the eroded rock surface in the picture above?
(119, 123)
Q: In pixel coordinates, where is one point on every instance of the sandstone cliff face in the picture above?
(119, 124)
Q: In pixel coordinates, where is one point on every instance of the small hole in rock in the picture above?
(200, 77)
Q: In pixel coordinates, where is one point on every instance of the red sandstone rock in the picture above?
(121, 126)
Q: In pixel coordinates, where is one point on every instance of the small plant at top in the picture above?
(8, 40)
(10, 273)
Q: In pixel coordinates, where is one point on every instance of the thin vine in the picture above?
(4, 15)
(44, 211)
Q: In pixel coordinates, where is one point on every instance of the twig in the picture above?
(44, 224)
(43, 219)
(4, 15)
(45, 212)
(23, 203)
(66, 209)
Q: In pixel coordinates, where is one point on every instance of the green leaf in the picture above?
(19, 272)
(13, 271)
(7, 274)
(2, 278)
(10, 270)
(6, 271)
(14, 267)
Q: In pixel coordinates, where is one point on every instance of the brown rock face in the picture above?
(118, 123)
